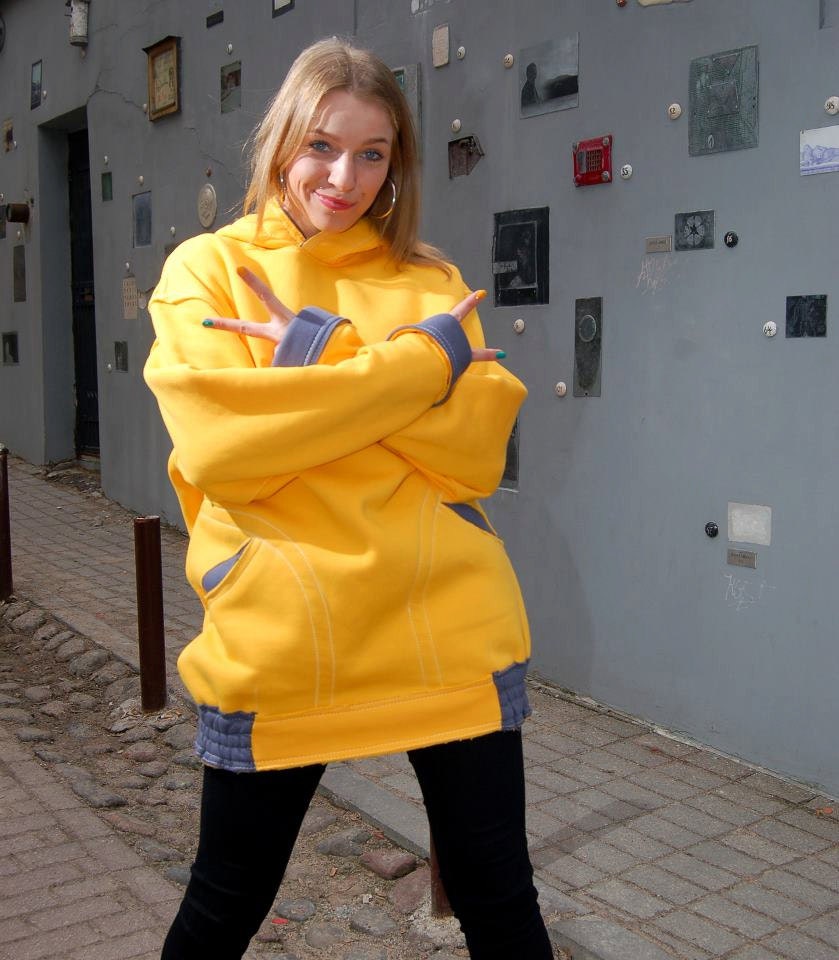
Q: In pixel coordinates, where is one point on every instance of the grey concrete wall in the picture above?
(630, 602)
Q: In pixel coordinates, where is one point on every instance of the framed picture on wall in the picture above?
(163, 80)
(281, 6)
(36, 84)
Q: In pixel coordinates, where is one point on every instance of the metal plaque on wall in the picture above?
(807, 316)
(19, 273)
(588, 337)
(520, 249)
(694, 231)
(724, 102)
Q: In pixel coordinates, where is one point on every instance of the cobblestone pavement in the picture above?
(646, 847)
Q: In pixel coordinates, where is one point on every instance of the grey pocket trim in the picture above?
(213, 577)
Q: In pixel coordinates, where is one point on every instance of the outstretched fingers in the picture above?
(274, 305)
(462, 310)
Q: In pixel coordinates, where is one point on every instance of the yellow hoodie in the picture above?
(356, 599)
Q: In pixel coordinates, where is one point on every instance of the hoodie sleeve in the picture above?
(236, 427)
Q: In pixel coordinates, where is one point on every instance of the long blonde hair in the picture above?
(335, 64)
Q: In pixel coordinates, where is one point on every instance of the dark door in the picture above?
(84, 314)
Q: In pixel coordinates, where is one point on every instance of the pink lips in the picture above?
(333, 203)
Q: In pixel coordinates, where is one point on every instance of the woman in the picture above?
(328, 460)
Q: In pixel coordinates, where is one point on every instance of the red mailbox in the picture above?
(593, 161)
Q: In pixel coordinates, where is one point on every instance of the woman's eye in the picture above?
(372, 155)
(319, 146)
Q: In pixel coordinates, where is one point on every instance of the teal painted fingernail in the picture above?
(206, 323)
(500, 354)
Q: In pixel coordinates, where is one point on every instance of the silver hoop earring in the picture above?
(392, 207)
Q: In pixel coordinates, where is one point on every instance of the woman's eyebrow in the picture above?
(325, 133)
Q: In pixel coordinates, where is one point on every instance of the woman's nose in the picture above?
(342, 173)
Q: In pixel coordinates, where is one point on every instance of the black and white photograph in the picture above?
(520, 257)
(549, 76)
(10, 353)
(36, 84)
(281, 6)
(231, 86)
(806, 316)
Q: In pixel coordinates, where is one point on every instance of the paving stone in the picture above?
(663, 884)
(48, 755)
(55, 709)
(153, 769)
(631, 793)
(142, 751)
(745, 841)
(825, 928)
(80, 730)
(70, 648)
(28, 621)
(112, 670)
(680, 948)
(709, 936)
(15, 609)
(58, 639)
(655, 826)
(721, 910)
(770, 902)
(389, 864)
(88, 662)
(128, 824)
(800, 889)
(753, 952)
(33, 735)
(603, 856)
(798, 946)
(727, 858)
(817, 871)
(16, 715)
(297, 910)
(362, 952)
(695, 820)
(180, 874)
(628, 898)
(177, 783)
(555, 782)
(637, 844)
(409, 891)
(180, 736)
(8, 700)
(186, 758)
(340, 845)
(322, 936)
(158, 851)
(84, 701)
(46, 630)
(657, 781)
(593, 938)
(317, 819)
(372, 921)
(749, 797)
(39, 694)
(825, 827)
(797, 840)
(136, 733)
(96, 795)
(723, 809)
(777, 788)
(572, 872)
(697, 871)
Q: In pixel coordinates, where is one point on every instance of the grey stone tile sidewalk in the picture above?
(645, 847)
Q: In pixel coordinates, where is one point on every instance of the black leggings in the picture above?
(474, 797)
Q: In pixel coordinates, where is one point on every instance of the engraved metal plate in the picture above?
(807, 316)
(440, 45)
(120, 355)
(207, 205)
(521, 244)
(107, 186)
(464, 155)
(588, 338)
(742, 558)
(142, 219)
(19, 273)
(724, 102)
(694, 231)
(658, 244)
(129, 298)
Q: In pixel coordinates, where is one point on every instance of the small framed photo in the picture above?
(163, 79)
(231, 86)
(281, 6)
(36, 85)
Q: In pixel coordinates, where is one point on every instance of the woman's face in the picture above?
(337, 173)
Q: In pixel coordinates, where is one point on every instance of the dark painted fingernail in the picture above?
(207, 323)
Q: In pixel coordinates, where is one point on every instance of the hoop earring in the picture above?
(282, 187)
(392, 207)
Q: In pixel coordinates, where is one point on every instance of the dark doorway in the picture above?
(84, 314)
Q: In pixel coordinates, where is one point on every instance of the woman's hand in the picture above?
(280, 317)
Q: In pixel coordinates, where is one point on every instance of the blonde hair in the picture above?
(335, 64)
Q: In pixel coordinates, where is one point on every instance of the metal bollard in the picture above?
(150, 613)
(6, 586)
(440, 906)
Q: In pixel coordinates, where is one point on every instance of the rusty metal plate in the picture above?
(588, 339)
(464, 155)
(742, 558)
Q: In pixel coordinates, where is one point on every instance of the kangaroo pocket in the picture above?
(476, 601)
(270, 627)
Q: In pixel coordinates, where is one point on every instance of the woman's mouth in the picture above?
(334, 203)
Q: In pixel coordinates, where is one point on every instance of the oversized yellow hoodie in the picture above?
(357, 601)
